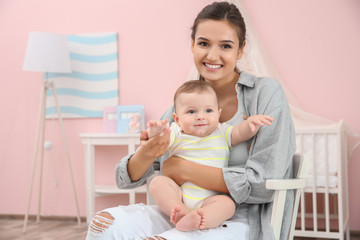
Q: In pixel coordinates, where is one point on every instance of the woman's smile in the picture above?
(213, 67)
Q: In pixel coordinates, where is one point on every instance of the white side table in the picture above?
(90, 141)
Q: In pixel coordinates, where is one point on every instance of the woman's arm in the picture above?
(150, 150)
(181, 171)
(133, 169)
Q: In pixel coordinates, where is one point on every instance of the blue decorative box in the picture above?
(130, 118)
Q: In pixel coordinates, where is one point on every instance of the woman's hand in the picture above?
(150, 149)
(157, 145)
(176, 169)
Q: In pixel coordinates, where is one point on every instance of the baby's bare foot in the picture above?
(177, 213)
(192, 221)
(200, 211)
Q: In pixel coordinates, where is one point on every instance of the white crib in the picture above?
(324, 204)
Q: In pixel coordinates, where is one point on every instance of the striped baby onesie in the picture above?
(212, 150)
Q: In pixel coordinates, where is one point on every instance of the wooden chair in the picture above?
(281, 187)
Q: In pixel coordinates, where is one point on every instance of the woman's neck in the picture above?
(227, 97)
(225, 88)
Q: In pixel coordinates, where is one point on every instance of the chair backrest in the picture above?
(281, 187)
(301, 167)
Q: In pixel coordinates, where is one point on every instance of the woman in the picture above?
(217, 42)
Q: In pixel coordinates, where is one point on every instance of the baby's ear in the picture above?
(220, 110)
(176, 118)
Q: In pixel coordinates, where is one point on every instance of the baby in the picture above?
(197, 136)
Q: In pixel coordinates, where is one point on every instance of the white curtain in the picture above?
(256, 60)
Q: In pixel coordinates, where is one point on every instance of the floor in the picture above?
(302, 238)
(11, 229)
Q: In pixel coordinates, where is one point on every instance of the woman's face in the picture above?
(216, 50)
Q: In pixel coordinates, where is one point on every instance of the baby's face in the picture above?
(197, 113)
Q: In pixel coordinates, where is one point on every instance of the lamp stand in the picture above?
(40, 134)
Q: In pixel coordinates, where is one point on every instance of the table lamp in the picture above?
(47, 52)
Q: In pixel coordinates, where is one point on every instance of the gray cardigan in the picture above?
(268, 155)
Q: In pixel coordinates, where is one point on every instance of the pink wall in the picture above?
(315, 46)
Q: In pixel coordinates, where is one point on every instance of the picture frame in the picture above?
(110, 119)
(130, 118)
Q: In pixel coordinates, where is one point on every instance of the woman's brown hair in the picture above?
(222, 11)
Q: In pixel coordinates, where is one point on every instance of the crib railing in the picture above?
(329, 146)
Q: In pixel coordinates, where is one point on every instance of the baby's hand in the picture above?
(155, 127)
(258, 120)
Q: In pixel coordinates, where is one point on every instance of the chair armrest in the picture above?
(284, 184)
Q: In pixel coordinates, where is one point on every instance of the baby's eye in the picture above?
(191, 111)
(209, 110)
